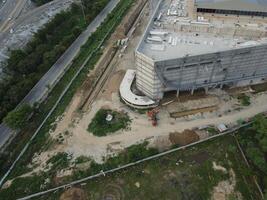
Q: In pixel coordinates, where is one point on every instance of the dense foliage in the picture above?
(26, 66)
(254, 142)
(101, 127)
(18, 118)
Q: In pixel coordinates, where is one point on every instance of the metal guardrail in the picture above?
(55, 105)
(103, 173)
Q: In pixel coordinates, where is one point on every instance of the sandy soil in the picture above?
(73, 194)
(226, 188)
(215, 166)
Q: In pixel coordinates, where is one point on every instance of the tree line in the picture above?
(26, 66)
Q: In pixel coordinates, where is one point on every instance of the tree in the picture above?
(257, 157)
(260, 125)
(18, 118)
(263, 144)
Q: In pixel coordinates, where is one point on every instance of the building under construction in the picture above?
(208, 43)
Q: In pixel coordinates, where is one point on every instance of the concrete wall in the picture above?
(234, 67)
(146, 77)
(223, 31)
(235, 18)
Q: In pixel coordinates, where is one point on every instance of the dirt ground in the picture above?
(73, 194)
(226, 188)
(184, 138)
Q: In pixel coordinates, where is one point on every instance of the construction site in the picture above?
(180, 74)
(173, 115)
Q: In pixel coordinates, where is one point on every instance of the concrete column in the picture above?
(177, 93)
(206, 89)
(192, 91)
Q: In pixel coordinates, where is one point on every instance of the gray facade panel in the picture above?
(198, 71)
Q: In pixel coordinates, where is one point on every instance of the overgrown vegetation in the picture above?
(101, 127)
(18, 118)
(62, 160)
(59, 161)
(244, 99)
(262, 87)
(185, 174)
(212, 130)
(254, 142)
(26, 66)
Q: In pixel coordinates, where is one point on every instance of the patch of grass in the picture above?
(244, 100)
(186, 174)
(259, 87)
(253, 141)
(212, 130)
(82, 159)
(101, 127)
(130, 154)
(59, 161)
(21, 186)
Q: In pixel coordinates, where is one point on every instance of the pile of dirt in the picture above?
(184, 138)
(73, 194)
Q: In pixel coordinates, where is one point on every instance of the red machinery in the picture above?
(152, 114)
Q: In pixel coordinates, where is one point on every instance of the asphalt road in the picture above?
(40, 90)
(9, 12)
(24, 19)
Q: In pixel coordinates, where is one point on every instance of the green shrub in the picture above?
(18, 118)
(59, 161)
(212, 130)
(244, 100)
(101, 127)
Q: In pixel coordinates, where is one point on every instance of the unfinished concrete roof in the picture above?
(240, 5)
(162, 42)
(186, 44)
